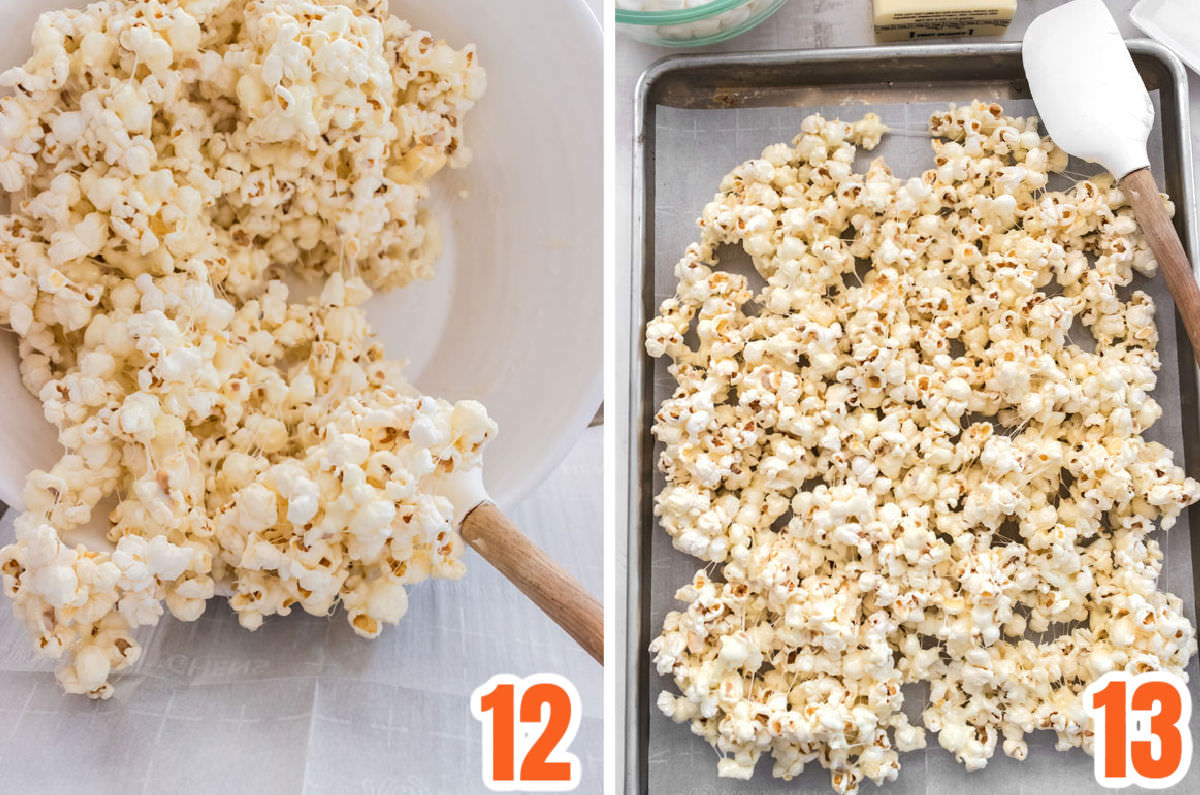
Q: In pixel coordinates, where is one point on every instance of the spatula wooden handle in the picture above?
(492, 535)
(1168, 249)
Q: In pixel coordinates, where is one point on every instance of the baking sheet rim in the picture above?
(641, 304)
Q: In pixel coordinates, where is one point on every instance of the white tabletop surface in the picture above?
(801, 24)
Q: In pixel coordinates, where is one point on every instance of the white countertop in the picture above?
(801, 24)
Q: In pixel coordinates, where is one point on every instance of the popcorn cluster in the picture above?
(168, 161)
(295, 134)
(906, 466)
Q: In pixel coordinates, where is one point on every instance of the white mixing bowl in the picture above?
(514, 317)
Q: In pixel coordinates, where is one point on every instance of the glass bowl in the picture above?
(694, 27)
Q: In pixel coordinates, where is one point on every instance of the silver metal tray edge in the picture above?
(737, 69)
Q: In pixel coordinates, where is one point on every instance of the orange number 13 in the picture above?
(1156, 750)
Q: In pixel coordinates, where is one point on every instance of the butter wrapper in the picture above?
(903, 20)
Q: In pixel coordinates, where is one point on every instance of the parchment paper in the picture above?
(303, 705)
(694, 149)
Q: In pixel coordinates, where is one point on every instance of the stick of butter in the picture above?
(900, 20)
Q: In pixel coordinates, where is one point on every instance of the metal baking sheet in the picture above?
(698, 116)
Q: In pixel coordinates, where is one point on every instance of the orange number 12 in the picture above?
(548, 720)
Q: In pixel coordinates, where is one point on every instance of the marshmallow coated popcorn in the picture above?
(167, 161)
(296, 134)
(905, 465)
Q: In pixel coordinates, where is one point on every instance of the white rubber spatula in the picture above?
(1095, 106)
